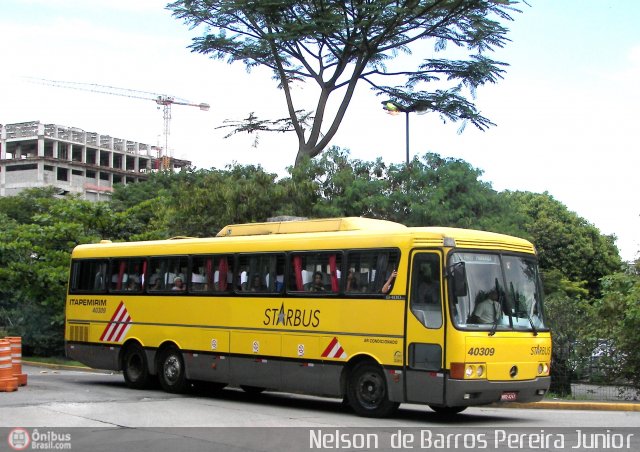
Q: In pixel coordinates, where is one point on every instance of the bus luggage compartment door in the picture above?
(255, 359)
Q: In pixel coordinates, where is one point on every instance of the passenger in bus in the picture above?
(280, 283)
(243, 281)
(256, 284)
(133, 285)
(352, 282)
(155, 284)
(199, 281)
(316, 284)
(119, 282)
(155, 280)
(487, 308)
(386, 288)
(178, 283)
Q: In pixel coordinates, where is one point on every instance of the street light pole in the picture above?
(419, 106)
(407, 134)
(393, 108)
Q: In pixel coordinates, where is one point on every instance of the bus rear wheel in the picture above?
(171, 371)
(367, 392)
(134, 367)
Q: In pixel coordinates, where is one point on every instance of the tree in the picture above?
(617, 329)
(205, 201)
(436, 191)
(199, 202)
(39, 230)
(565, 241)
(574, 256)
(339, 186)
(336, 44)
(431, 191)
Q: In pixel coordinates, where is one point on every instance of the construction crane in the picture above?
(162, 100)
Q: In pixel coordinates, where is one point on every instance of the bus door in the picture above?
(424, 376)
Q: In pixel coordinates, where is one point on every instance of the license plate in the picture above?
(509, 396)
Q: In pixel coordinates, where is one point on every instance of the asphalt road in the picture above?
(101, 413)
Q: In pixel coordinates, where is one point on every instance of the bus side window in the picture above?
(165, 271)
(202, 273)
(261, 272)
(368, 270)
(315, 272)
(210, 274)
(88, 276)
(126, 274)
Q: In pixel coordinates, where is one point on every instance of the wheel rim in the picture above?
(172, 369)
(370, 390)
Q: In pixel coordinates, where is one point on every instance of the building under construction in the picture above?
(33, 154)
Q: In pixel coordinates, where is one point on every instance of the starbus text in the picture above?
(292, 317)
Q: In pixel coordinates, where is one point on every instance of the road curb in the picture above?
(570, 405)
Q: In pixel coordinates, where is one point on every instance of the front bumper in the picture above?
(483, 392)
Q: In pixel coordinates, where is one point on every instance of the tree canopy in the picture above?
(567, 243)
(38, 232)
(336, 44)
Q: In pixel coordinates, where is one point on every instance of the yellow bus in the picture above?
(368, 310)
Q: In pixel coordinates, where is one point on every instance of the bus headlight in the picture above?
(475, 371)
(469, 371)
(466, 371)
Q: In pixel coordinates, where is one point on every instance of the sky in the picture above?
(566, 113)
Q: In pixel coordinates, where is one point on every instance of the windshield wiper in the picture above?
(526, 311)
(533, 327)
(494, 327)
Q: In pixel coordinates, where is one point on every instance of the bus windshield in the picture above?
(503, 292)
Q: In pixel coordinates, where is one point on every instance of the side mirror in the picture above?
(459, 274)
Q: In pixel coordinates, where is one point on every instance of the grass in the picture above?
(54, 360)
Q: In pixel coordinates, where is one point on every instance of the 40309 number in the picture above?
(481, 351)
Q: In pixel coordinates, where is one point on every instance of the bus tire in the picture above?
(448, 410)
(134, 367)
(171, 371)
(367, 391)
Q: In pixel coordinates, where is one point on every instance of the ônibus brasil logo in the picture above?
(19, 439)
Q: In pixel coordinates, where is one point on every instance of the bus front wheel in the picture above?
(134, 367)
(367, 391)
(171, 371)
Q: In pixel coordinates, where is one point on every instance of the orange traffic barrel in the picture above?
(16, 359)
(8, 382)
